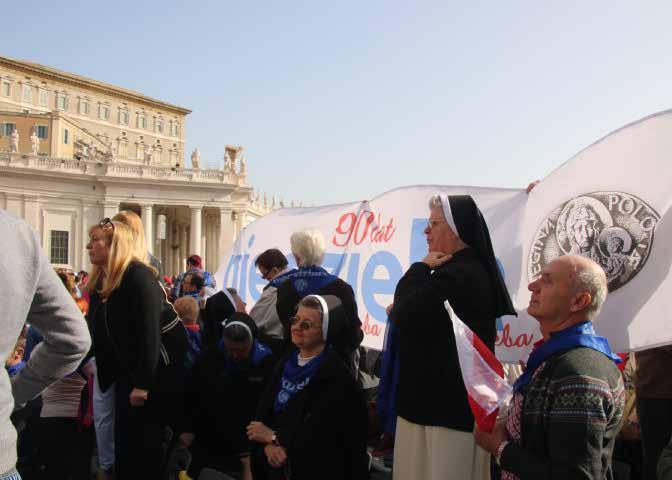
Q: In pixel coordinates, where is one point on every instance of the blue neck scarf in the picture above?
(281, 278)
(296, 378)
(258, 352)
(309, 280)
(580, 335)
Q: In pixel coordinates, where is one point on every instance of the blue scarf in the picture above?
(281, 278)
(386, 396)
(309, 280)
(14, 369)
(296, 378)
(258, 352)
(580, 335)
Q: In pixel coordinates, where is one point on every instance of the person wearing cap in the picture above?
(194, 265)
(312, 421)
(434, 421)
(222, 395)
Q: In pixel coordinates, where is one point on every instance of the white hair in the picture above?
(309, 247)
(590, 277)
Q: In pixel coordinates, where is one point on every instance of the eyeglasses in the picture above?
(105, 222)
(433, 223)
(303, 324)
(265, 274)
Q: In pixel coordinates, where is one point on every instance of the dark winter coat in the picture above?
(323, 428)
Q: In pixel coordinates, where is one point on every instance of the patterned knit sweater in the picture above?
(571, 415)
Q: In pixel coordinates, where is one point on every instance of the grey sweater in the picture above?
(32, 292)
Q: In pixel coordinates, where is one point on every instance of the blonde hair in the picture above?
(133, 221)
(122, 246)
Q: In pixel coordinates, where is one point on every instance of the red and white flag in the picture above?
(482, 373)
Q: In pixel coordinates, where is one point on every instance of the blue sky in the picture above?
(341, 101)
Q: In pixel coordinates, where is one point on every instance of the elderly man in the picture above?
(567, 406)
(434, 422)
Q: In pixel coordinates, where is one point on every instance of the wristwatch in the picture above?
(274, 440)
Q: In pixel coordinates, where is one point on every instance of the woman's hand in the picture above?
(138, 397)
(260, 433)
(275, 455)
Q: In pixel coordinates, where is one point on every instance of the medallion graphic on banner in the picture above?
(614, 229)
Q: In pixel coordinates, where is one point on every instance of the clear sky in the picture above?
(341, 101)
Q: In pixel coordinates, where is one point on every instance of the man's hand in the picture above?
(260, 433)
(435, 259)
(138, 397)
(275, 455)
(490, 442)
(186, 439)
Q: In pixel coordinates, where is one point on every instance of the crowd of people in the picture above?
(146, 376)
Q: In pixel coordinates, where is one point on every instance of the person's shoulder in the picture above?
(15, 228)
(586, 363)
(138, 272)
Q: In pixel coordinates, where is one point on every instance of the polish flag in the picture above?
(482, 373)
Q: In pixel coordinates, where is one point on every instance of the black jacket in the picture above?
(220, 404)
(431, 390)
(126, 329)
(352, 335)
(323, 428)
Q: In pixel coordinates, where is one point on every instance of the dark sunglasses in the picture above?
(303, 324)
(105, 222)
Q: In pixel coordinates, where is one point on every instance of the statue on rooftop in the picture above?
(196, 159)
(34, 142)
(14, 141)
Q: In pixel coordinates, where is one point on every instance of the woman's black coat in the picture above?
(323, 428)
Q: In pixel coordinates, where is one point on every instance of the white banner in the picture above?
(607, 203)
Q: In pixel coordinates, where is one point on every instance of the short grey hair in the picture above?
(590, 277)
(435, 202)
(309, 246)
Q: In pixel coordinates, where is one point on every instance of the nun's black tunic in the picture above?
(431, 391)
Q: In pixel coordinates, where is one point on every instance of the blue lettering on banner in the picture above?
(418, 244)
(372, 286)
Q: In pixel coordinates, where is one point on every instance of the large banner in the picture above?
(610, 202)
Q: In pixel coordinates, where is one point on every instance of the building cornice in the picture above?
(76, 80)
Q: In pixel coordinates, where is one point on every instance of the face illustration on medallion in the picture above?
(614, 229)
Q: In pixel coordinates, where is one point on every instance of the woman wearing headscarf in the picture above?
(222, 396)
(434, 422)
(310, 278)
(126, 317)
(312, 421)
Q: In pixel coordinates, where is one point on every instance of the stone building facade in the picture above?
(75, 150)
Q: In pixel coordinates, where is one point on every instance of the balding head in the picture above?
(588, 277)
(571, 289)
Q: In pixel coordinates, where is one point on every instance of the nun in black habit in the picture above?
(312, 421)
(434, 422)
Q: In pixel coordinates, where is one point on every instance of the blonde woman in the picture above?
(141, 249)
(125, 316)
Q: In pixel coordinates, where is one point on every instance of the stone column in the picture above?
(204, 234)
(226, 230)
(182, 264)
(196, 212)
(148, 223)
